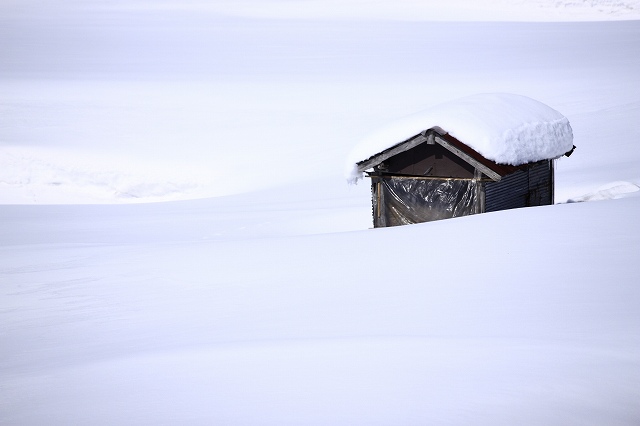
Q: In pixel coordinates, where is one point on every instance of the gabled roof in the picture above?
(490, 168)
(497, 131)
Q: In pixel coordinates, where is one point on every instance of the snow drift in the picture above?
(220, 311)
(506, 128)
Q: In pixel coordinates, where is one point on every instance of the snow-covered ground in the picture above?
(255, 293)
(226, 312)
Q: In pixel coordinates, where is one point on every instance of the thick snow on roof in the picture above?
(506, 128)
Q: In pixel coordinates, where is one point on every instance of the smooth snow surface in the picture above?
(505, 128)
(267, 300)
(255, 310)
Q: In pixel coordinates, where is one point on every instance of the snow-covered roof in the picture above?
(505, 128)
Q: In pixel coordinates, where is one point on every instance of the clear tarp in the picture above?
(406, 200)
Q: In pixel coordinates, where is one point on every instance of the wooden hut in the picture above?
(433, 175)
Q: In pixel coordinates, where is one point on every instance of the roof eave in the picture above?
(490, 168)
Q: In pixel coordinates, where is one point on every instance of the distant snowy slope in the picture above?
(413, 10)
(53, 176)
(452, 10)
(181, 106)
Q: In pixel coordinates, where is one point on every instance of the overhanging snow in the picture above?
(505, 128)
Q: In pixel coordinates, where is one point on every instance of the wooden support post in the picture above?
(477, 178)
(379, 188)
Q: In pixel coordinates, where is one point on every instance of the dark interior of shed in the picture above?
(427, 160)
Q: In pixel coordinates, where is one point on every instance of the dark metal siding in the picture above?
(540, 184)
(532, 186)
(509, 193)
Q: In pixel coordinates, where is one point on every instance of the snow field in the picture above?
(261, 297)
(237, 329)
(211, 129)
(358, 10)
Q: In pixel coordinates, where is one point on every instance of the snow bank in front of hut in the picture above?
(506, 128)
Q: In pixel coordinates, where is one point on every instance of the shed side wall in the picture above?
(532, 186)
(541, 183)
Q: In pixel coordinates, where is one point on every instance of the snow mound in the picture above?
(59, 176)
(506, 128)
(610, 191)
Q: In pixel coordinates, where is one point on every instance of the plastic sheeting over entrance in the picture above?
(399, 200)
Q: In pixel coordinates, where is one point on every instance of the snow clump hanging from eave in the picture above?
(505, 128)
